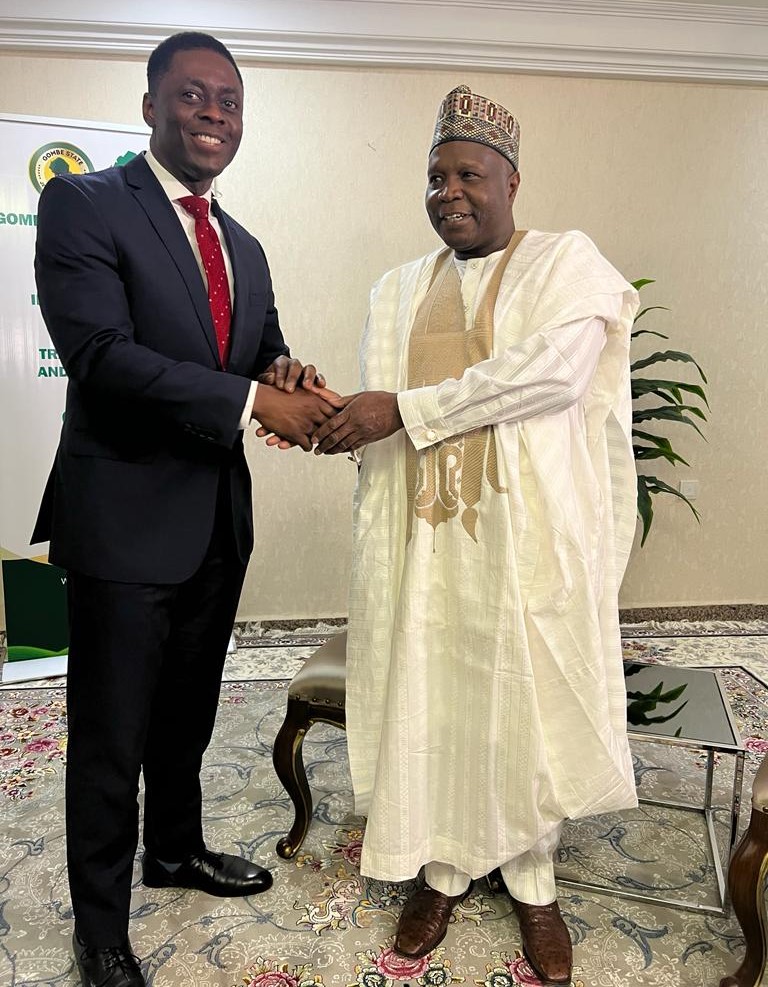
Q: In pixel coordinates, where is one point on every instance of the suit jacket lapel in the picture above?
(155, 203)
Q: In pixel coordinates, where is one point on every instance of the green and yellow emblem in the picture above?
(57, 158)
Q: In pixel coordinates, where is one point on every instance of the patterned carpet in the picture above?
(321, 924)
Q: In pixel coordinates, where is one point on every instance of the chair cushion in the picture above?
(322, 678)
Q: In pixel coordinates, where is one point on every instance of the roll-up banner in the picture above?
(32, 380)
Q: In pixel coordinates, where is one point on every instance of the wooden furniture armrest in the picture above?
(746, 882)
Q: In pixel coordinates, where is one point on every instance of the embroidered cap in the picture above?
(467, 116)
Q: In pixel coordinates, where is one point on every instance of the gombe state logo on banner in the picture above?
(57, 158)
(36, 151)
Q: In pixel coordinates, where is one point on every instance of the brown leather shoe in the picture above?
(424, 922)
(546, 942)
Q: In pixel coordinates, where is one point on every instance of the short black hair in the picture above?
(161, 58)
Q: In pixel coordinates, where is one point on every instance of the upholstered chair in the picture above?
(315, 695)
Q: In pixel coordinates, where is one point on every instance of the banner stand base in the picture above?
(33, 668)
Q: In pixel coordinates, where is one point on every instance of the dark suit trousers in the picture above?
(145, 666)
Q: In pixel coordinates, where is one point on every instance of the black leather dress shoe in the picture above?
(115, 966)
(219, 874)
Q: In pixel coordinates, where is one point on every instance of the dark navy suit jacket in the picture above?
(151, 416)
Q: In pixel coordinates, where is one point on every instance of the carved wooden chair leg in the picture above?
(746, 883)
(316, 695)
(289, 766)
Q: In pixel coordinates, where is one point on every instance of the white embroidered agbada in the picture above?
(485, 694)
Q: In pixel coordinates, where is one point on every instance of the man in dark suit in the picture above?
(164, 320)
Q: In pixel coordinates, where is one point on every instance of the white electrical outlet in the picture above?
(689, 488)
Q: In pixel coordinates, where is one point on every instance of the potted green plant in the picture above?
(681, 403)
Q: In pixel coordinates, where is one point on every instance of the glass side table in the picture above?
(689, 708)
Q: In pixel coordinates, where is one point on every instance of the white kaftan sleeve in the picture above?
(546, 373)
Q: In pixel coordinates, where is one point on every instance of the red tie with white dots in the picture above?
(215, 270)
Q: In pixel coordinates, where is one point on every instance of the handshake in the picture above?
(294, 408)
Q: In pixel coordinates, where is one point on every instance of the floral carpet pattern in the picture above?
(322, 923)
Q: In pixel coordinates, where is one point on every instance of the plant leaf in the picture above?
(653, 485)
(649, 308)
(647, 332)
(645, 452)
(670, 412)
(648, 446)
(663, 447)
(658, 440)
(666, 389)
(642, 386)
(644, 506)
(660, 357)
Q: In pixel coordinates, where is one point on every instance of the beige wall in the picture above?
(667, 178)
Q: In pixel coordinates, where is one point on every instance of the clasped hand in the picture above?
(294, 407)
(291, 402)
(361, 419)
(292, 416)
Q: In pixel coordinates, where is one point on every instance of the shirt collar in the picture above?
(479, 262)
(172, 187)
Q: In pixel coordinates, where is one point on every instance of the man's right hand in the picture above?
(293, 416)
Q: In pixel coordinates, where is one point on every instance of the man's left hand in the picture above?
(285, 373)
(364, 418)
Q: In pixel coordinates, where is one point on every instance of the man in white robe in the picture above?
(494, 515)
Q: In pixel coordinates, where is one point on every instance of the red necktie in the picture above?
(215, 271)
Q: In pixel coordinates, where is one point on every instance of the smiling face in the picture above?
(470, 191)
(196, 116)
